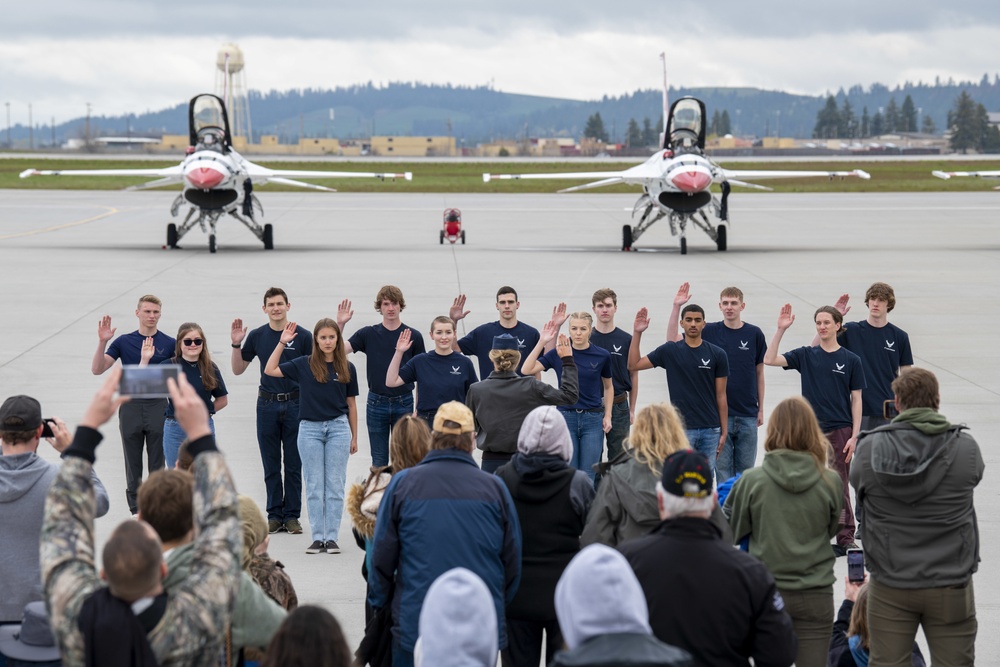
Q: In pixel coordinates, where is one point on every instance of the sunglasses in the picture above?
(191, 342)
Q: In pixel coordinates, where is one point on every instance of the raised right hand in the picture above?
(148, 350)
(344, 313)
(289, 333)
(785, 317)
(237, 332)
(104, 330)
(457, 310)
(641, 321)
(548, 332)
(403, 343)
(841, 304)
(683, 294)
(564, 348)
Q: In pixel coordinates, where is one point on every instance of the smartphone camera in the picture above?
(147, 381)
(889, 410)
(47, 423)
(856, 565)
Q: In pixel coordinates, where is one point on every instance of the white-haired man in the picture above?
(718, 603)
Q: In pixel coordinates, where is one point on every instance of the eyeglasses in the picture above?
(191, 342)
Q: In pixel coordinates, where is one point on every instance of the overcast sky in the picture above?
(136, 55)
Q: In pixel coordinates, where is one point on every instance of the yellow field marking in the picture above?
(111, 211)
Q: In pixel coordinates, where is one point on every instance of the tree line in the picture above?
(647, 134)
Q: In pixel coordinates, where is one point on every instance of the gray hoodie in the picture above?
(458, 623)
(914, 480)
(24, 483)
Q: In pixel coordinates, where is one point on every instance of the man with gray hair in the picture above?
(718, 603)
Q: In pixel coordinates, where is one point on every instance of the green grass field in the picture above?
(908, 176)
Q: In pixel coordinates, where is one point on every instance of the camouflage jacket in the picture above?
(192, 630)
(270, 575)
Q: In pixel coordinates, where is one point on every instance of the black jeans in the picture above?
(524, 642)
(140, 423)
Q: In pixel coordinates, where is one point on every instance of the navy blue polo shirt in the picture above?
(592, 364)
(616, 343)
(479, 342)
(128, 348)
(260, 343)
(379, 344)
(745, 348)
(440, 378)
(320, 402)
(193, 376)
(828, 378)
(882, 350)
(691, 375)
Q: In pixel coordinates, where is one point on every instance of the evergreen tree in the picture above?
(878, 124)
(827, 120)
(866, 124)
(847, 122)
(648, 133)
(713, 128)
(892, 116)
(633, 135)
(595, 128)
(928, 126)
(725, 125)
(963, 120)
(908, 116)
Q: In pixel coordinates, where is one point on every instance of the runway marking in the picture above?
(111, 211)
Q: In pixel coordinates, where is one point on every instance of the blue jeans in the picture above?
(620, 427)
(706, 441)
(586, 430)
(173, 436)
(381, 415)
(277, 433)
(740, 450)
(400, 656)
(324, 448)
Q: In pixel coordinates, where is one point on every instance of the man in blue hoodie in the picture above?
(915, 479)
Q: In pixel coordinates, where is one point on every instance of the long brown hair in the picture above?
(657, 433)
(408, 445)
(317, 364)
(793, 426)
(859, 618)
(205, 366)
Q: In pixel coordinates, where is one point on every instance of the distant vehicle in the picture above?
(967, 174)
(676, 180)
(217, 180)
(452, 227)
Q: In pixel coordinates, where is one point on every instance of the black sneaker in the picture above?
(332, 547)
(317, 547)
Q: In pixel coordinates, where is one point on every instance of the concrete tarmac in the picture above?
(67, 258)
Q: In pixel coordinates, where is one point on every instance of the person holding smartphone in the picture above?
(192, 355)
(789, 508)
(328, 425)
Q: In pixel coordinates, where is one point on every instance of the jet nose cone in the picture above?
(204, 178)
(692, 181)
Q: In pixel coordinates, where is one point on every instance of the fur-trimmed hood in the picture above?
(363, 501)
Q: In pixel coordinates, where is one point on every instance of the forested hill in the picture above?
(477, 114)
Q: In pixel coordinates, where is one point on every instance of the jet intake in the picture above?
(210, 199)
(683, 202)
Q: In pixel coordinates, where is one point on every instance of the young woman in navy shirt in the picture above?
(328, 425)
(590, 417)
(191, 354)
(441, 374)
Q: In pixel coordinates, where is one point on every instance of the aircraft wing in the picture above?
(974, 174)
(262, 175)
(637, 174)
(173, 173)
(756, 175)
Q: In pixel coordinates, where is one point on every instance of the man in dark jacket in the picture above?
(440, 514)
(552, 500)
(718, 603)
(603, 616)
(914, 479)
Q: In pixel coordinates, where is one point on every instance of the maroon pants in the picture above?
(838, 440)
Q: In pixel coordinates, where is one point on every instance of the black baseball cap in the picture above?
(687, 474)
(20, 413)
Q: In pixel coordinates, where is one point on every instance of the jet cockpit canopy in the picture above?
(208, 123)
(686, 128)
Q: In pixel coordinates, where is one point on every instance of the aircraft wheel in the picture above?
(626, 237)
(441, 237)
(720, 240)
(684, 245)
(211, 243)
(268, 237)
(463, 237)
(171, 235)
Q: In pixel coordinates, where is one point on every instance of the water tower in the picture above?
(231, 86)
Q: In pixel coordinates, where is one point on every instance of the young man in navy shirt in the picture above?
(696, 378)
(479, 341)
(745, 346)
(277, 409)
(625, 382)
(386, 405)
(884, 349)
(140, 421)
(832, 382)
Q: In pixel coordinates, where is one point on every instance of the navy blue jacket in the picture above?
(443, 513)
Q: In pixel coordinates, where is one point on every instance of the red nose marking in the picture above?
(692, 181)
(204, 178)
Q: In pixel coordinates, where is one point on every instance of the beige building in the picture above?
(413, 146)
